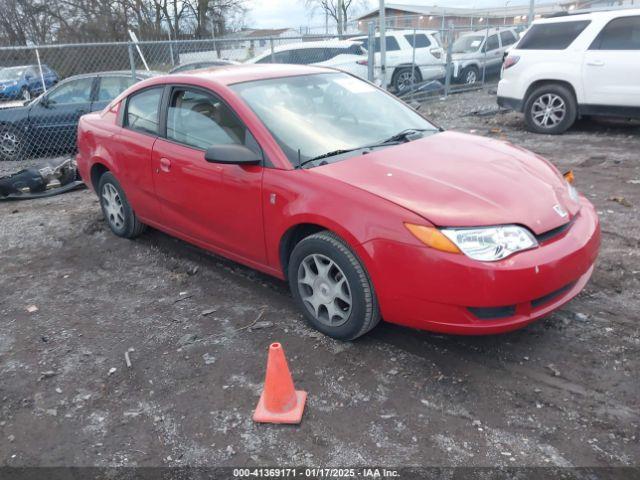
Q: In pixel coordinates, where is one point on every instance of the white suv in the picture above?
(429, 57)
(341, 54)
(574, 65)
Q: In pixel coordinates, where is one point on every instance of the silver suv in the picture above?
(475, 54)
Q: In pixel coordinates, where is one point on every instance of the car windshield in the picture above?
(314, 115)
(467, 44)
(11, 73)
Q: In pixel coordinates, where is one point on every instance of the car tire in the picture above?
(402, 78)
(332, 288)
(25, 94)
(560, 99)
(119, 215)
(470, 75)
(12, 144)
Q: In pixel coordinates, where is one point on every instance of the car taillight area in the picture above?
(510, 61)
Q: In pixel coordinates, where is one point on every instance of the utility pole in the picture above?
(383, 45)
(532, 10)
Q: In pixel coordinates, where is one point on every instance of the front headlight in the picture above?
(489, 244)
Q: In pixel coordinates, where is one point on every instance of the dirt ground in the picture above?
(563, 392)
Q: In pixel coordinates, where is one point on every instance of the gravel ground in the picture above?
(561, 392)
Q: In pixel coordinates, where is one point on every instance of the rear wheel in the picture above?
(11, 144)
(405, 78)
(332, 288)
(550, 109)
(120, 216)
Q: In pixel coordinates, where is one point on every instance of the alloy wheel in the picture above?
(548, 110)
(26, 94)
(113, 208)
(324, 290)
(9, 143)
(471, 77)
(405, 80)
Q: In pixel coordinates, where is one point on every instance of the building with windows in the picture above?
(434, 17)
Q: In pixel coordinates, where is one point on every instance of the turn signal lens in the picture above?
(432, 237)
(568, 176)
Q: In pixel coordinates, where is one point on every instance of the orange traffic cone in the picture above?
(279, 402)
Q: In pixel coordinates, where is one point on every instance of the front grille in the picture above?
(538, 302)
(490, 313)
(554, 232)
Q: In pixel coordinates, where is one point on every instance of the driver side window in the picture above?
(75, 91)
(200, 120)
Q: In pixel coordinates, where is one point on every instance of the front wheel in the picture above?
(332, 288)
(470, 75)
(25, 94)
(120, 216)
(550, 109)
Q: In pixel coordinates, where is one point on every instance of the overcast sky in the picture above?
(292, 13)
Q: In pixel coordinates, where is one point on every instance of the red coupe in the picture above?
(367, 209)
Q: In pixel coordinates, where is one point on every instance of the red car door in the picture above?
(132, 146)
(212, 204)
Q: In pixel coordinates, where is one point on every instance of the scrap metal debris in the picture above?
(53, 177)
(622, 201)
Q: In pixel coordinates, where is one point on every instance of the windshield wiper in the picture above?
(398, 137)
(329, 154)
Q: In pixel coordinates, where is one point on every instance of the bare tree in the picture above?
(332, 8)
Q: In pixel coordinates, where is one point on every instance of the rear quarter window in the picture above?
(421, 40)
(552, 36)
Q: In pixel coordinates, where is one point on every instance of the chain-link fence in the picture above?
(45, 89)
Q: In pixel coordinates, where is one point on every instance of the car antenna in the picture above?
(299, 160)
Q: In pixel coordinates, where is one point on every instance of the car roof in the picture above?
(399, 32)
(231, 74)
(484, 31)
(317, 44)
(577, 15)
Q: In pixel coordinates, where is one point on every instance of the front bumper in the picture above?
(427, 289)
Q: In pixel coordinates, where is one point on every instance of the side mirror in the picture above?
(232, 155)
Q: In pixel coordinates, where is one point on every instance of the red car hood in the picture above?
(455, 180)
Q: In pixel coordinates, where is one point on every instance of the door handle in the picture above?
(596, 63)
(165, 165)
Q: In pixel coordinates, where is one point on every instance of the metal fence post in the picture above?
(44, 86)
(486, 40)
(447, 80)
(132, 61)
(413, 63)
(272, 50)
(371, 54)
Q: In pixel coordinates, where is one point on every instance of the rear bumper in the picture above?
(510, 103)
(451, 293)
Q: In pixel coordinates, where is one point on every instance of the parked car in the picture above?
(480, 53)
(364, 206)
(48, 124)
(201, 64)
(344, 55)
(429, 57)
(574, 65)
(25, 82)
